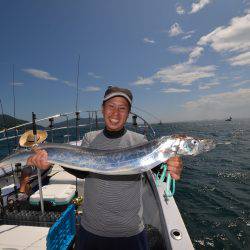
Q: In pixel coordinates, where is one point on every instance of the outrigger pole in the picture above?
(38, 170)
(77, 111)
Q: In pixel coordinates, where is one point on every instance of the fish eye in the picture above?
(194, 142)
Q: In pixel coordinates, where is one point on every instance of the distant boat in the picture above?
(229, 119)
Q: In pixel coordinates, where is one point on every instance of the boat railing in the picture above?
(68, 127)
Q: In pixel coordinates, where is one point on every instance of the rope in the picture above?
(160, 177)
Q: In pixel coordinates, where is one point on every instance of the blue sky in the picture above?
(183, 60)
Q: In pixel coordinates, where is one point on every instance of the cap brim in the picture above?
(117, 94)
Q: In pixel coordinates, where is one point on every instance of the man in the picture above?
(112, 209)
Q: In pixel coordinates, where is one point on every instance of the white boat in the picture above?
(31, 229)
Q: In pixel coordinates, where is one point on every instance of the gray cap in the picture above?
(113, 91)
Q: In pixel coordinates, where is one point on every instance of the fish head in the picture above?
(194, 146)
(185, 145)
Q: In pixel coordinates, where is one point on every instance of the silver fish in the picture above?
(125, 161)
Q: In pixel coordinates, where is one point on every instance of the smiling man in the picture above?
(112, 210)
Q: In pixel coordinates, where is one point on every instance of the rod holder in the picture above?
(34, 124)
(134, 120)
(51, 122)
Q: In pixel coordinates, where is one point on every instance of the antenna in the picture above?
(77, 82)
(13, 90)
(14, 100)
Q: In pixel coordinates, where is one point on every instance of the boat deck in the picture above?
(23, 237)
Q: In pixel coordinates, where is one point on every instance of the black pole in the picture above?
(77, 123)
(67, 128)
(96, 120)
(77, 138)
(51, 125)
(34, 124)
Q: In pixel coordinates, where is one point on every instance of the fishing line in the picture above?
(147, 112)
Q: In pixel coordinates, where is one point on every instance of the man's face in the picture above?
(115, 112)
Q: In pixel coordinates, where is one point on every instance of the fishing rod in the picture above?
(77, 113)
(38, 169)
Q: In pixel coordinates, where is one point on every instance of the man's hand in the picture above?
(175, 167)
(39, 160)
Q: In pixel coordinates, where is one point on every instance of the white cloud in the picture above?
(184, 73)
(40, 74)
(175, 30)
(241, 59)
(195, 54)
(180, 10)
(18, 84)
(147, 40)
(180, 50)
(235, 37)
(190, 32)
(174, 90)
(144, 81)
(241, 83)
(208, 85)
(220, 105)
(70, 84)
(186, 37)
(247, 2)
(94, 75)
(91, 89)
(200, 4)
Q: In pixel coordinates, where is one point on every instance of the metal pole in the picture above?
(96, 120)
(77, 128)
(77, 138)
(51, 125)
(38, 170)
(67, 127)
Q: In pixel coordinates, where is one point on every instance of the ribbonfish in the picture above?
(125, 161)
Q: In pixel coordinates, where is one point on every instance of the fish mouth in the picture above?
(207, 145)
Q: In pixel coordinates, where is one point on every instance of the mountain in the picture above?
(7, 121)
